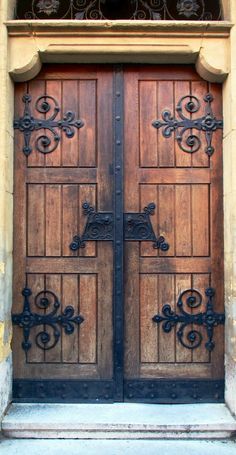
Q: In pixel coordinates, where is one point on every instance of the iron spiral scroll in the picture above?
(48, 141)
(184, 127)
(55, 320)
(192, 299)
(100, 226)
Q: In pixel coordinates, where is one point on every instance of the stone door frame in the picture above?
(27, 45)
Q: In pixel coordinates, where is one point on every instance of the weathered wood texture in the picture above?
(187, 191)
(50, 190)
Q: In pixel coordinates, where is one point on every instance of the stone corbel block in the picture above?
(213, 60)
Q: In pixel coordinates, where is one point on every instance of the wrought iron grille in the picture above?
(119, 9)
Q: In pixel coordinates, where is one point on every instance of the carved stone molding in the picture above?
(205, 44)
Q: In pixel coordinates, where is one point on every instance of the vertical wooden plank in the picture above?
(131, 204)
(147, 113)
(148, 193)
(19, 231)
(166, 147)
(131, 310)
(20, 199)
(53, 220)
(166, 341)
(70, 103)
(87, 134)
(148, 308)
(70, 197)
(217, 240)
(87, 193)
(70, 297)
(166, 217)
(131, 143)
(104, 310)
(200, 283)
(88, 309)
(183, 282)
(35, 282)
(105, 170)
(200, 220)
(199, 89)
(53, 284)
(53, 88)
(183, 159)
(183, 220)
(36, 89)
(36, 220)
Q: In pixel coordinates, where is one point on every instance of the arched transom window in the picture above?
(119, 9)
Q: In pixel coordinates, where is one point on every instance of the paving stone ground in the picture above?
(115, 447)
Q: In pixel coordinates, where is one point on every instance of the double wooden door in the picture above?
(118, 246)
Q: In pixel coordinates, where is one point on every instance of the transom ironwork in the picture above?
(119, 9)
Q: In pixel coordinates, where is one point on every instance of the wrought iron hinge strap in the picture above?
(137, 227)
(208, 319)
(27, 320)
(208, 123)
(45, 143)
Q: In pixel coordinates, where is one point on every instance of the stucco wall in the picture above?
(6, 202)
(230, 218)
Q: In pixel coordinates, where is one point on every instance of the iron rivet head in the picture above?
(118, 118)
(117, 93)
(118, 168)
(118, 142)
(118, 192)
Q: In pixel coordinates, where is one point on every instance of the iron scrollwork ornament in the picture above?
(138, 226)
(189, 142)
(45, 143)
(119, 9)
(52, 322)
(100, 226)
(209, 319)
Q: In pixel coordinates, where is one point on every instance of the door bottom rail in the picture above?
(162, 391)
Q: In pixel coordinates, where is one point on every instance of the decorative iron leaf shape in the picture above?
(191, 298)
(100, 226)
(119, 9)
(27, 124)
(52, 322)
(184, 126)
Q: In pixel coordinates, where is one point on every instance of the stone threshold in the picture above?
(118, 421)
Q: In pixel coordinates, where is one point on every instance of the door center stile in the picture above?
(118, 310)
